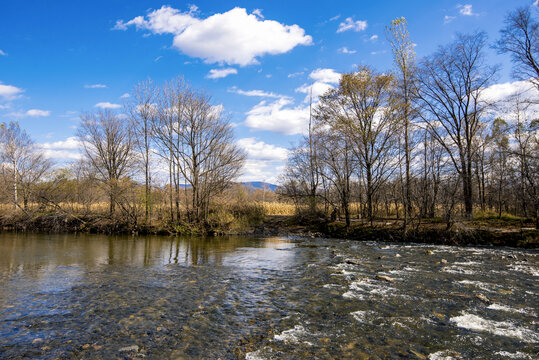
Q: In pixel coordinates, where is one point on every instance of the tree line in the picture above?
(173, 127)
(425, 140)
(422, 141)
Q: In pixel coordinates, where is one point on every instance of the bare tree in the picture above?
(450, 88)
(520, 38)
(108, 146)
(404, 58)
(142, 110)
(200, 144)
(526, 135)
(22, 163)
(363, 107)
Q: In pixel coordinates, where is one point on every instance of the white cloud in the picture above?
(157, 58)
(350, 24)
(536, 3)
(325, 75)
(256, 170)
(281, 116)
(68, 149)
(465, 10)
(9, 92)
(373, 38)
(448, 19)
(501, 92)
(221, 73)
(336, 17)
(345, 50)
(234, 37)
(95, 86)
(259, 93)
(2, 53)
(125, 96)
(299, 73)
(278, 117)
(37, 112)
(259, 150)
(323, 80)
(502, 97)
(258, 12)
(30, 113)
(107, 105)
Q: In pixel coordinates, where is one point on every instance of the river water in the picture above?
(99, 297)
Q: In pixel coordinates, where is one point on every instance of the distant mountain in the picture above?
(260, 185)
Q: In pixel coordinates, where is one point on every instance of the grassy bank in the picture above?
(271, 219)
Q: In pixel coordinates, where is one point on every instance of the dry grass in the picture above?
(278, 208)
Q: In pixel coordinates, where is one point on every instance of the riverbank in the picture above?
(477, 232)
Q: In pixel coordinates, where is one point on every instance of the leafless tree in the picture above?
(363, 107)
(143, 113)
(200, 143)
(526, 135)
(108, 147)
(450, 88)
(404, 58)
(520, 38)
(22, 163)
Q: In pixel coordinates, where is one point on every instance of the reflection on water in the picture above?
(65, 296)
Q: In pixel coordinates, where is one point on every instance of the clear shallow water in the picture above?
(65, 296)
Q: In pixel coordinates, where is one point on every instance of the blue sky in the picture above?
(58, 58)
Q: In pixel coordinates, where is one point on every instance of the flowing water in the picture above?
(98, 297)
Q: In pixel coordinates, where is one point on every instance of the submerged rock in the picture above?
(129, 348)
(482, 298)
(385, 278)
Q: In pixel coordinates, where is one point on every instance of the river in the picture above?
(102, 297)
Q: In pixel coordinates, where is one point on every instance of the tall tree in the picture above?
(362, 109)
(520, 38)
(200, 143)
(108, 146)
(404, 58)
(450, 86)
(142, 110)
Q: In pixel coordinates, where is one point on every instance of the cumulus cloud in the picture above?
(107, 105)
(282, 116)
(259, 150)
(350, 24)
(221, 73)
(233, 37)
(345, 50)
(325, 75)
(256, 170)
(95, 86)
(68, 149)
(324, 79)
(279, 117)
(504, 91)
(9, 92)
(503, 95)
